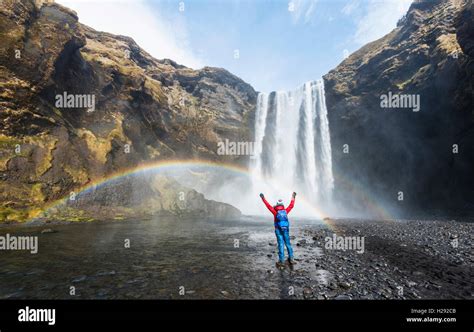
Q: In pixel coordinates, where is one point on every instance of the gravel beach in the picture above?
(190, 259)
(402, 260)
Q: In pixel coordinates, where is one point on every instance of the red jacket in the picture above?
(279, 207)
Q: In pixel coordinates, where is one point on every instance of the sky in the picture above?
(271, 44)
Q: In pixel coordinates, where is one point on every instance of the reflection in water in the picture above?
(203, 259)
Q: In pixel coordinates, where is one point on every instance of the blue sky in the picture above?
(271, 44)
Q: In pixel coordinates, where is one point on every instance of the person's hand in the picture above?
(294, 195)
(261, 195)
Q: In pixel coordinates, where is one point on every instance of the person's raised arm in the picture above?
(292, 203)
(268, 205)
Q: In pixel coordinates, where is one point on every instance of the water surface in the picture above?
(168, 258)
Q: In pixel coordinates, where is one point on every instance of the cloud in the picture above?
(350, 7)
(302, 10)
(380, 18)
(162, 38)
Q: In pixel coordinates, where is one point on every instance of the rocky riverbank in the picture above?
(175, 258)
(401, 260)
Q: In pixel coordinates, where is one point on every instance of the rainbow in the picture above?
(172, 164)
(375, 209)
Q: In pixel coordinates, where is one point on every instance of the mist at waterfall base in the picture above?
(292, 153)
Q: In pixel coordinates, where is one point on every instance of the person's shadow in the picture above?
(287, 288)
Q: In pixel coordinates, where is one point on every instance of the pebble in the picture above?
(345, 285)
(307, 291)
(411, 283)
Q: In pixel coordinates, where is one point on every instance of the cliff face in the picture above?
(143, 109)
(139, 196)
(429, 54)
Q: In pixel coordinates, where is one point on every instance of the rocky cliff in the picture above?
(138, 196)
(142, 109)
(427, 155)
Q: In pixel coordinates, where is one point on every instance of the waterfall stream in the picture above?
(292, 143)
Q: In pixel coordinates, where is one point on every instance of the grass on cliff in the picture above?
(7, 150)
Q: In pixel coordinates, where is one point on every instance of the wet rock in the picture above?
(434, 285)
(79, 279)
(12, 295)
(48, 231)
(331, 294)
(307, 291)
(345, 285)
(343, 297)
(411, 283)
(133, 281)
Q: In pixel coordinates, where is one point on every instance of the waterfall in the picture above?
(292, 143)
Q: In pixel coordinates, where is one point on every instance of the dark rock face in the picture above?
(139, 196)
(145, 109)
(429, 54)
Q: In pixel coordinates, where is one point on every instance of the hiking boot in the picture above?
(280, 265)
(291, 261)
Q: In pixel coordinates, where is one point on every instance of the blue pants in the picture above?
(283, 239)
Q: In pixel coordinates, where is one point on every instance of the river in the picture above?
(166, 258)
